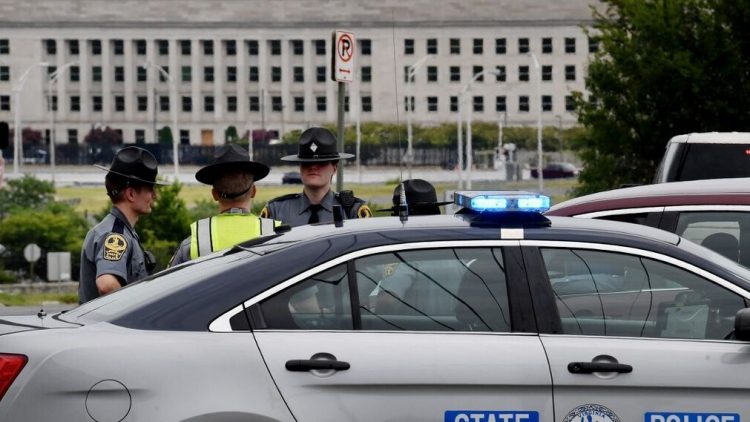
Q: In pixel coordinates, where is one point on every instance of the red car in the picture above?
(556, 171)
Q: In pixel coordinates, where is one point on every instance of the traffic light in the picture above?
(4, 134)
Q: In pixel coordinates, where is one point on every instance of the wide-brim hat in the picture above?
(134, 163)
(419, 194)
(231, 157)
(316, 145)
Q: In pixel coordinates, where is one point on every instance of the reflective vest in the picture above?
(226, 230)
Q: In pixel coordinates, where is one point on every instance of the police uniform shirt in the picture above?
(294, 209)
(111, 247)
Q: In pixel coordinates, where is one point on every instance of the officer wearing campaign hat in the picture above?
(421, 198)
(232, 176)
(112, 255)
(318, 159)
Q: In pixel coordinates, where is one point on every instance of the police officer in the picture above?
(318, 159)
(232, 176)
(112, 255)
(421, 198)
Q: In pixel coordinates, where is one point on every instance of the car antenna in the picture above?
(403, 209)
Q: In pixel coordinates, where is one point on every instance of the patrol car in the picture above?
(496, 313)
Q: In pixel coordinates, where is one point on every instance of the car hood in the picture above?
(15, 324)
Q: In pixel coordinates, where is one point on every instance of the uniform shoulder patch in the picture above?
(115, 246)
(264, 212)
(364, 212)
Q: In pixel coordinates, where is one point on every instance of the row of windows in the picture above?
(501, 46)
(478, 103)
(500, 73)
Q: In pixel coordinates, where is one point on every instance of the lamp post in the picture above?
(469, 153)
(50, 83)
(173, 113)
(560, 136)
(17, 146)
(540, 160)
(410, 110)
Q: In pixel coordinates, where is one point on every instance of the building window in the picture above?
(75, 74)
(208, 103)
(119, 74)
(432, 73)
(547, 45)
(254, 103)
(141, 74)
(4, 46)
(593, 45)
(570, 73)
(320, 73)
(547, 73)
(232, 103)
(231, 73)
(275, 46)
(118, 47)
(51, 71)
(140, 47)
(320, 104)
(96, 47)
(523, 73)
(432, 104)
(523, 45)
(432, 46)
(140, 136)
(276, 104)
(365, 47)
(299, 74)
(187, 74)
(142, 103)
(75, 103)
(500, 76)
(477, 70)
(455, 73)
(500, 105)
(208, 74)
(478, 103)
(164, 103)
(208, 47)
(298, 47)
(96, 103)
(96, 73)
(119, 103)
(230, 47)
(546, 103)
(4, 73)
(570, 45)
(275, 73)
(409, 104)
(500, 46)
(253, 74)
(72, 136)
(51, 47)
(252, 47)
(366, 74)
(299, 104)
(73, 49)
(187, 104)
(478, 46)
(455, 46)
(185, 47)
(320, 47)
(523, 104)
(408, 46)
(184, 137)
(163, 46)
(454, 104)
(407, 78)
(346, 104)
(54, 103)
(162, 75)
(367, 104)
(569, 103)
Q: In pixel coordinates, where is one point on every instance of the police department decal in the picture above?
(114, 247)
(591, 413)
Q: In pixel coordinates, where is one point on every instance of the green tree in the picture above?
(231, 135)
(27, 192)
(165, 136)
(664, 68)
(166, 226)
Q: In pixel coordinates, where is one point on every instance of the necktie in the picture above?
(314, 213)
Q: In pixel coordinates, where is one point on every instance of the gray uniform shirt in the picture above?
(294, 209)
(111, 247)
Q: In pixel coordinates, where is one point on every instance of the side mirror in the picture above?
(742, 324)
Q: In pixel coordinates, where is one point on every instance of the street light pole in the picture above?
(560, 136)
(17, 146)
(410, 110)
(469, 153)
(52, 79)
(540, 159)
(173, 113)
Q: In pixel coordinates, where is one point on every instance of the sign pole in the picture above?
(340, 136)
(342, 71)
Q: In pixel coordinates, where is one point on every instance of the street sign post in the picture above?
(32, 252)
(342, 71)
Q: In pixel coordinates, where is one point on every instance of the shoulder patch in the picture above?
(264, 212)
(115, 246)
(285, 197)
(364, 212)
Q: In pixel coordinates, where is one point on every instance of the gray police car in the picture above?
(493, 314)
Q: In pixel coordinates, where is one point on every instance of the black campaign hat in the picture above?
(420, 195)
(231, 157)
(134, 163)
(317, 144)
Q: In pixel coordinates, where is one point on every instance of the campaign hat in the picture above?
(229, 158)
(317, 144)
(134, 163)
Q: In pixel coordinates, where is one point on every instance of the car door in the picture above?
(642, 337)
(418, 333)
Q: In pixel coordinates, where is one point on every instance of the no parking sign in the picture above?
(343, 57)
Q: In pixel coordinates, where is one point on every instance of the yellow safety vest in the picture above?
(226, 230)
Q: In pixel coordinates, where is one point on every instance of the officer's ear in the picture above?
(215, 194)
(252, 191)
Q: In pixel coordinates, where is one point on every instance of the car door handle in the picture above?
(589, 367)
(303, 365)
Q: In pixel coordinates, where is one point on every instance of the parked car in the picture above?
(713, 212)
(712, 155)
(556, 171)
(291, 177)
(36, 156)
(495, 313)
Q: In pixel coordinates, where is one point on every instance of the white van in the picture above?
(711, 155)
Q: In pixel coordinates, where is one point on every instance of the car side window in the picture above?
(615, 294)
(322, 302)
(727, 233)
(635, 218)
(434, 290)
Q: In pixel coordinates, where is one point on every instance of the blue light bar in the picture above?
(502, 201)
